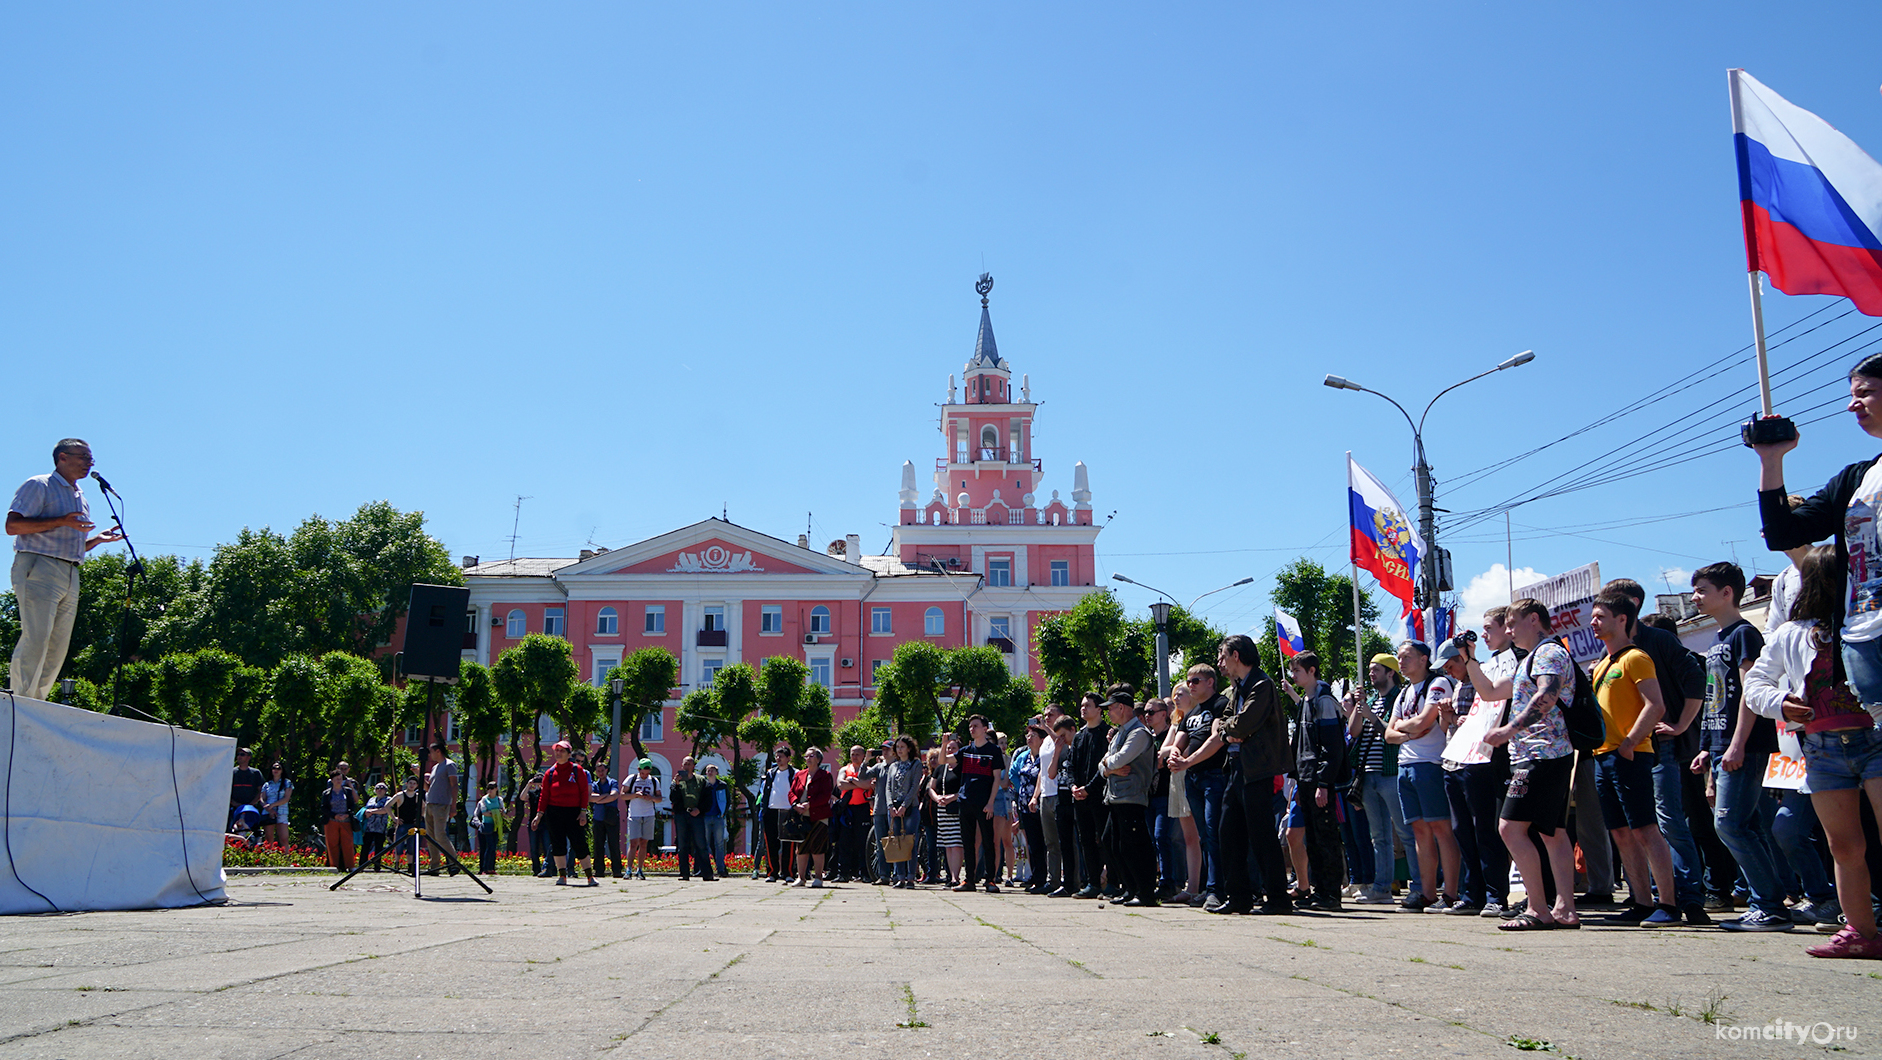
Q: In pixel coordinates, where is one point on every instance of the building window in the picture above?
(879, 621)
(709, 669)
(516, 625)
(656, 619)
(651, 725)
(771, 618)
(1000, 626)
(934, 623)
(552, 621)
(820, 671)
(1061, 572)
(999, 572)
(602, 666)
(712, 620)
(607, 622)
(875, 667)
(820, 623)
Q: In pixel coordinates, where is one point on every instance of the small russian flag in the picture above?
(1287, 634)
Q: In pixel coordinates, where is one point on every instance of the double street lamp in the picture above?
(1436, 563)
(1160, 614)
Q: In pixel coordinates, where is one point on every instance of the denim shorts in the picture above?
(1625, 787)
(1842, 759)
(1421, 792)
(1862, 662)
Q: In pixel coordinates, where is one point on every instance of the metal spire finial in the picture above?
(982, 286)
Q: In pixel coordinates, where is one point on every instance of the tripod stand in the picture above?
(418, 835)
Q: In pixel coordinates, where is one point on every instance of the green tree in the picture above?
(780, 689)
(1092, 647)
(867, 729)
(909, 688)
(647, 677)
(534, 678)
(815, 715)
(481, 722)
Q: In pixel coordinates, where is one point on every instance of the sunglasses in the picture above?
(1194, 680)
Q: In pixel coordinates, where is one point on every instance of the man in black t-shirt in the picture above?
(1087, 780)
(981, 765)
(1737, 745)
(245, 788)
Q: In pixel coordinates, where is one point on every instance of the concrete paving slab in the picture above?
(680, 970)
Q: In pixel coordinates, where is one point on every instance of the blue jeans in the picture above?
(1738, 811)
(714, 829)
(1862, 661)
(882, 832)
(1385, 817)
(1669, 809)
(1167, 838)
(1794, 831)
(1205, 790)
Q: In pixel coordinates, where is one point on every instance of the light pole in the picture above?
(1192, 604)
(1160, 612)
(615, 688)
(1427, 517)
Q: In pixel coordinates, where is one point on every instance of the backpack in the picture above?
(1581, 712)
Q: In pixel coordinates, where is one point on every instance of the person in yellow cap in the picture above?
(1377, 771)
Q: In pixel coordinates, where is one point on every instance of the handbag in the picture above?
(795, 829)
(898, 847)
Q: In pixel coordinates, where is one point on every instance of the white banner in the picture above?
(107, 813)
(1786, 767)
(1570, 600)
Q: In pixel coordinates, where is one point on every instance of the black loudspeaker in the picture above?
(434, 632)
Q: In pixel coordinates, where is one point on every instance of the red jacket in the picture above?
(815, 786)
(565, 784)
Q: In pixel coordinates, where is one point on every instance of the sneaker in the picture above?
(1847, 943)
(1087, 893)
(992, 888)
(816, 883)
(1199, 901)
(1633, 914)
(561, 881)
(1212, 903)
(1462, 908)
(1816, 912)
(1492, 911)
(1718, 903)
(1180, 898)
(1373, 898)
(1831, 927)
(1416, 902)
(1696, 916)
(1443, 904)
(1662, 916)
(1758, 920)
(966, 887)
(805, 883)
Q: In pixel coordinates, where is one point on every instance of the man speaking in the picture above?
(49, 521)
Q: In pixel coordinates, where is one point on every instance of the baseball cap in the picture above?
(645, 763)
(1390, 662)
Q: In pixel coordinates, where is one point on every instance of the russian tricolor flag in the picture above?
(1384, 541)
(1812, 199)
(1287, 634)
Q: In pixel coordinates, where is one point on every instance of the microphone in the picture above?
(102, 484)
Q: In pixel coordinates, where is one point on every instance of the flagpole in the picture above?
(1359, 638)
(1757, 328)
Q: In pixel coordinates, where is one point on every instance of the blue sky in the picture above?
(639, 264)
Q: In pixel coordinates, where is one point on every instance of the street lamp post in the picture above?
(1421, 469)
(1160, 611)
(615, 688)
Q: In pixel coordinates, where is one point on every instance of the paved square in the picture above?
(745, 969)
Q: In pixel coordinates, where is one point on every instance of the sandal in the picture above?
(1528, 922)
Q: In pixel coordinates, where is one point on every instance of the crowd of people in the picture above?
(1245, 793)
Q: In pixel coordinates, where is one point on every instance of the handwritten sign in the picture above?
(1786, 768)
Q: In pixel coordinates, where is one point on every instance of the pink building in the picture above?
(980, 560)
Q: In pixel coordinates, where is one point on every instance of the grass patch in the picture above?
(1211, 1038)
(1530, 1045)
(1307, 943)
(1417, 960)
(914, 1021)
(1713, 1011)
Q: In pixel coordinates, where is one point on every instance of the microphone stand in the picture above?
(132, 572)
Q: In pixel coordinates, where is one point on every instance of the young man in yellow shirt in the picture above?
(1628, 689)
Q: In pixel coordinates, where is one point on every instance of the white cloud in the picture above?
(1672, 580)
(1489, 589)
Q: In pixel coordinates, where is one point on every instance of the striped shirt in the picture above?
(49, 496)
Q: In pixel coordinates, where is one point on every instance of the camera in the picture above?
(1767, 430)
(1469, 636)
